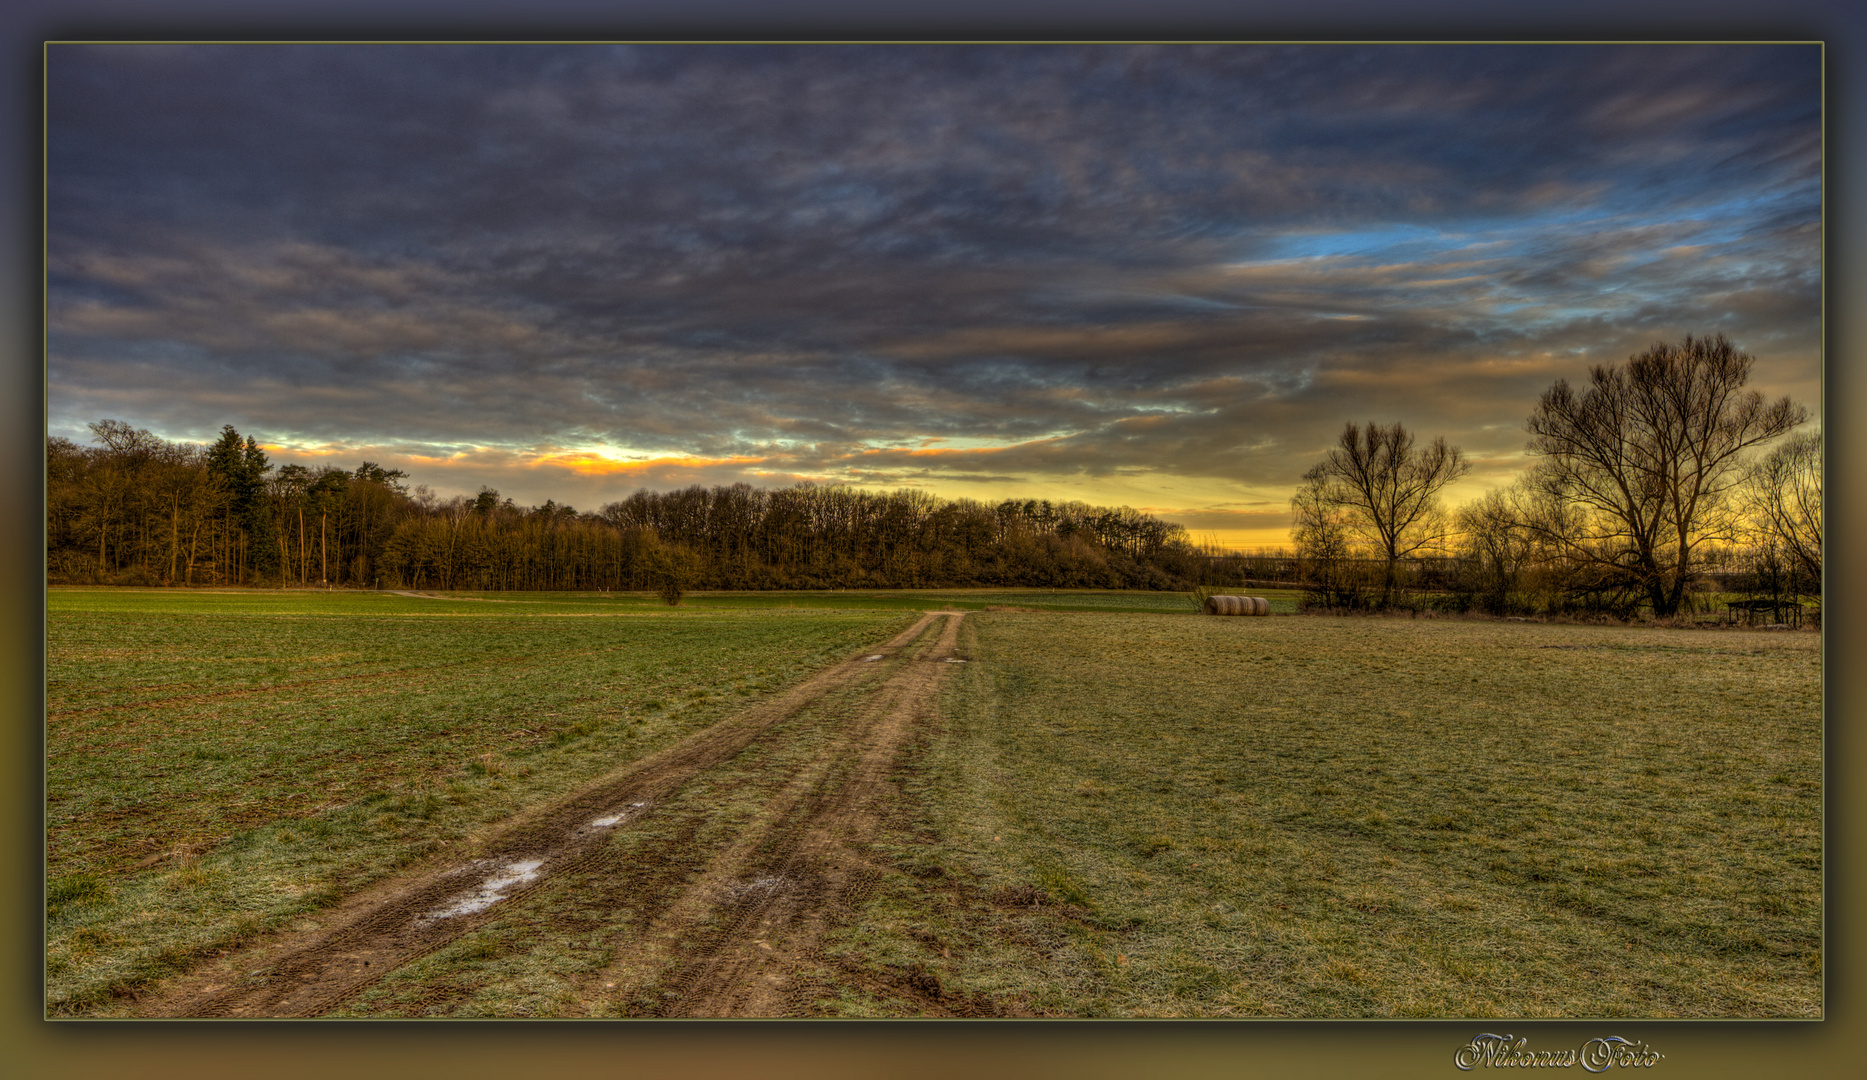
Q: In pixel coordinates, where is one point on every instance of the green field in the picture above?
(1367, 817)
(218, 764)
(1122, 808)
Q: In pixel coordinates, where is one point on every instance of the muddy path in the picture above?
(715, 928)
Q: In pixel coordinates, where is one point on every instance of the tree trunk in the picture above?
(193, 540)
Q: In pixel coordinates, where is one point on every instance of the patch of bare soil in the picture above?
(720, 942)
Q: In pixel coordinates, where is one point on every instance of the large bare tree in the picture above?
(1652, 451)
(1389, 490)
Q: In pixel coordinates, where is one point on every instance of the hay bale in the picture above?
(1237, 605)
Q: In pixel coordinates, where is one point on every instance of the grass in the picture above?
(222, 763)
(1362, 818)
(1121, 811)
(538, 959)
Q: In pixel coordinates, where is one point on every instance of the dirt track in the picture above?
(717, 930)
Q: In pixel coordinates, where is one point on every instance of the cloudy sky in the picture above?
(1162, 277)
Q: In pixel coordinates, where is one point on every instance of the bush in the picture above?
(138, 576)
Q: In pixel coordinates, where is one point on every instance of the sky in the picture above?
(1156, 276)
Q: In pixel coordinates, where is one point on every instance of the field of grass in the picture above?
(219, 764)
(539, 959)
(1123, 809)
(1143, 816)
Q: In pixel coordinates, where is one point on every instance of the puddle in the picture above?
(950, 660)
(871, 659)
(763, 886)
(488, 894)
(616, 818)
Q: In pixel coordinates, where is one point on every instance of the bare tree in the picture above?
(1784, 501)
(1650, 453)
(1321, 532)
(1499, 548)
(1389, 490)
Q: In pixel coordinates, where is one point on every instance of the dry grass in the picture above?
(1404, 819)
(221, 764)
(1118, 815)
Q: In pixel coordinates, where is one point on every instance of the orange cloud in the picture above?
(281, 451)
(597, 465)
(948, 451)
(945, 451)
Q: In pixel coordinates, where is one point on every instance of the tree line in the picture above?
(1645, 482)
(140, 510)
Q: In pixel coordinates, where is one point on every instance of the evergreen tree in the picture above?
(241, 467)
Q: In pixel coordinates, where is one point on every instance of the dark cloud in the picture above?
(1070, 264)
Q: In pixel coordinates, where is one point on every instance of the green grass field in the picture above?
(218, 764)
(1125, 809)
(1366, 817)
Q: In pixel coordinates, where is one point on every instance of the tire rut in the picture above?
(770, 913)
(392, 925)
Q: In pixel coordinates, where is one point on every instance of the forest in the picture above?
(136, 509)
